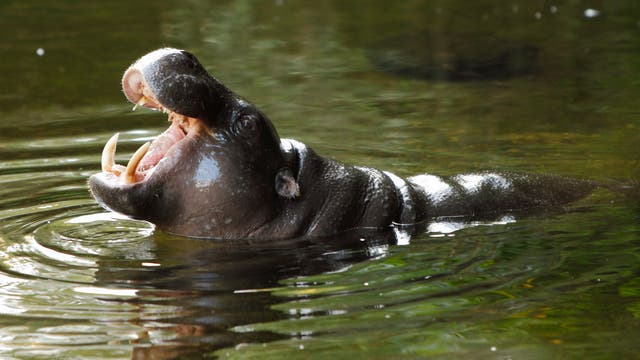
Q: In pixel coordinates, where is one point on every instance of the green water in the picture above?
(345, 78)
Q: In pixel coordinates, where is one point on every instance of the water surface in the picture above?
(543, 88)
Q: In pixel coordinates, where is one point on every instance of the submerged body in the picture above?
(221, 171)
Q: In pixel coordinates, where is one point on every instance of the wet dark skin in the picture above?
(221, 171)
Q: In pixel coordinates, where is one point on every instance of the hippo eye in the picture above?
(244, 123)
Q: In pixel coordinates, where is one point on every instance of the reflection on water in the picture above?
(78, 282)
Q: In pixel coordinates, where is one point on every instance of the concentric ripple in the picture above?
(54, 300)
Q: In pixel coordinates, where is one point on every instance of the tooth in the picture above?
(130, 172)
(108, 153)
(140, 102)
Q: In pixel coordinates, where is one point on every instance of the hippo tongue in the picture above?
(159, 148)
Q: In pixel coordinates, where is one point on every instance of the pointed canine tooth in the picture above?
(140, 102)
(130, 172)
(108, 153)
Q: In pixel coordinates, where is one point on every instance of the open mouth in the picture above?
(146, 159)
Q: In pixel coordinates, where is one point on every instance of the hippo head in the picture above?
(217, 171)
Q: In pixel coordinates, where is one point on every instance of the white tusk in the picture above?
(140, 102)
(109, 153)
(130, 172)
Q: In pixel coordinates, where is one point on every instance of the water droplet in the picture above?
(591, 13)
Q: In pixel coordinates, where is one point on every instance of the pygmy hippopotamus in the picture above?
(221, 171)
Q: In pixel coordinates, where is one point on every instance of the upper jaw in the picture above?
(141, 92)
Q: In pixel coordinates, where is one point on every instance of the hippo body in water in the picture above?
(221, 171)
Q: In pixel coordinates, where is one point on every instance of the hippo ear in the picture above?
(286, 184)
